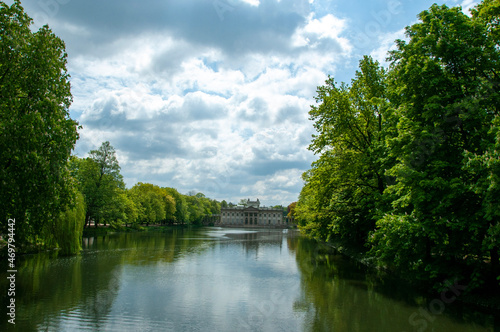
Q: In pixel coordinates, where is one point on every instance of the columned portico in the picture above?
(251, 215)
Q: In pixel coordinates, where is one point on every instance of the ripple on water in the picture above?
(78, 320)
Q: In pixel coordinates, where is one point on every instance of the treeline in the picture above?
(409, 157)
(45, 193)
(109, 203)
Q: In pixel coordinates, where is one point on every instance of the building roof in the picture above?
(253, 203)
(250, 207)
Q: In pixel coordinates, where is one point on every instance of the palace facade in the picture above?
(251, 214)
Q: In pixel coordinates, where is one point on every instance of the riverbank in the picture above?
(88, 231)
(484, 299)
(103, 230)
(257, 226)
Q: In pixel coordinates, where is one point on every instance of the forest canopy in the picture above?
(408, 161)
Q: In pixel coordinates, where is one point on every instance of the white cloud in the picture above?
(316, 30)
(467, 5)
(255, 3)
(387, 43)
(196, 102)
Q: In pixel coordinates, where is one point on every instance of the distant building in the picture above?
(251, 214)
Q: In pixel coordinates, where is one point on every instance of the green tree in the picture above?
(86, 172)
(107, 184)
(66, 230)
(486, 167)
(343, 189)
(37, 133)
(181, 209)
(156, 205)
(131, 210)
(200, 206)
(100, 182)
(409, 158)
(291, 210)
(444, 88)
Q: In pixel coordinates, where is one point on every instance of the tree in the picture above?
(200, 206)
(156, 205)
(100, 182)
(107, 182)
(343, 188)
(444, 89)
(37, 131)
(488, 186)
(131, 210)
(105, 157)
(409, 161)
(291, 210)
(181, 209)
(66, 230)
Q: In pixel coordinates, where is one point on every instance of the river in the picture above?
(216, 279)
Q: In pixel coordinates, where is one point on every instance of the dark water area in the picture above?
(216, 279)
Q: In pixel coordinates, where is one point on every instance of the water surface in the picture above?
(215, 279)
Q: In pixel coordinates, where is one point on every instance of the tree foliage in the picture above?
(347, 180)
(200, 206)
(37, 133)
(181, 209)
(101, 183)
(155, 204)
(408, 159)
(66, 230)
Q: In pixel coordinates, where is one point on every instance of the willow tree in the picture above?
(37, 133)
(66, 230)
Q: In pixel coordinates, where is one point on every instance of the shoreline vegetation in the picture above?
(407, 179)
(408, 167)
(481, 299)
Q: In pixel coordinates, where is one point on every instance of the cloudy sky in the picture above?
(213, 95)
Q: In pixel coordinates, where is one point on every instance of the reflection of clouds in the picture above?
(216, 279)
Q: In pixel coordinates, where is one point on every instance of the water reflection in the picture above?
(215, 279)
(337, 295)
